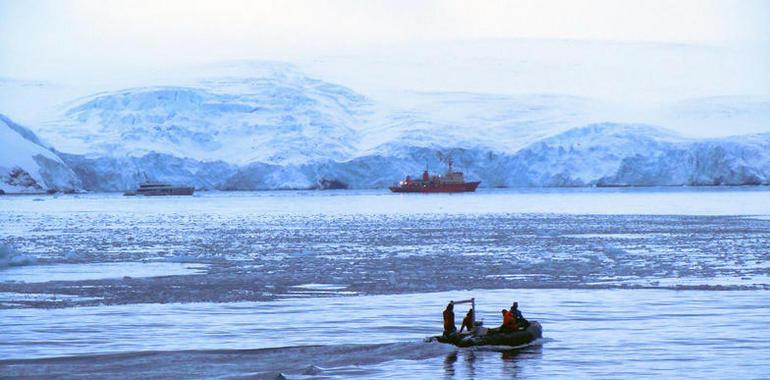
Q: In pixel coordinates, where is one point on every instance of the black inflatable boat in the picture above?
(495, 337)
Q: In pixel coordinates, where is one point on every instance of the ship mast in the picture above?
(446, 158)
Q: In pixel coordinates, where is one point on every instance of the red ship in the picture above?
(451, 182)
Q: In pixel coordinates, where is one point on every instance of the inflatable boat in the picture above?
(494, 337)
(481, 336)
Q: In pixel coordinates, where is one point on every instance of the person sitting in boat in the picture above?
(449, 319)
(520, 321)
(509, 321)
(468, 321)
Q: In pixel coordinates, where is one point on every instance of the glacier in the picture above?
(595, 155)
(270, 126)
(28, 166)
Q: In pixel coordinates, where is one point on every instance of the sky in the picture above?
(639, 56)
(52, 39)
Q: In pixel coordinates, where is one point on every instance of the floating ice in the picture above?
(13, 298)
(10, 257)
(98, 271)
(320, 286)
(72, 256)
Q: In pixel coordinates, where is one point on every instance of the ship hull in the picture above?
(167, 191)
(466, 187)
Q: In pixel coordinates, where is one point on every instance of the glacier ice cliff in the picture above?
(284, 130)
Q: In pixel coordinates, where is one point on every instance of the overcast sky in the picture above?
(49, 39)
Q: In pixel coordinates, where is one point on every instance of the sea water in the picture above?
(626, 282)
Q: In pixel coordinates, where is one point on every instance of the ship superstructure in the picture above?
(451, 182)
(157, 189)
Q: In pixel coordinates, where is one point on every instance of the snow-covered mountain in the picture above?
(26, 165)
(269, 126)
(282, 118)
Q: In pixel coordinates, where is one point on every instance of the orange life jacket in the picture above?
(468, 321)
(509, 319)
(449, 320)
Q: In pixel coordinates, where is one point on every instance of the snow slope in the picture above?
(123, 134)
(268, 126)
(27, 166)
(281, 118)
(735, 115)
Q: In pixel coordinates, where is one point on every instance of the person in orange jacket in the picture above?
(449, 319)
(467, 321)
(509, 321)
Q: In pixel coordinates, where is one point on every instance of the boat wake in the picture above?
(268, 363)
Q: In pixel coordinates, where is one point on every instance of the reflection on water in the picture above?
(514, 360)
(449, 364)
(509, 360)
(470, 361)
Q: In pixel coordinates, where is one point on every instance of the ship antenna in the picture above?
(445, 158)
